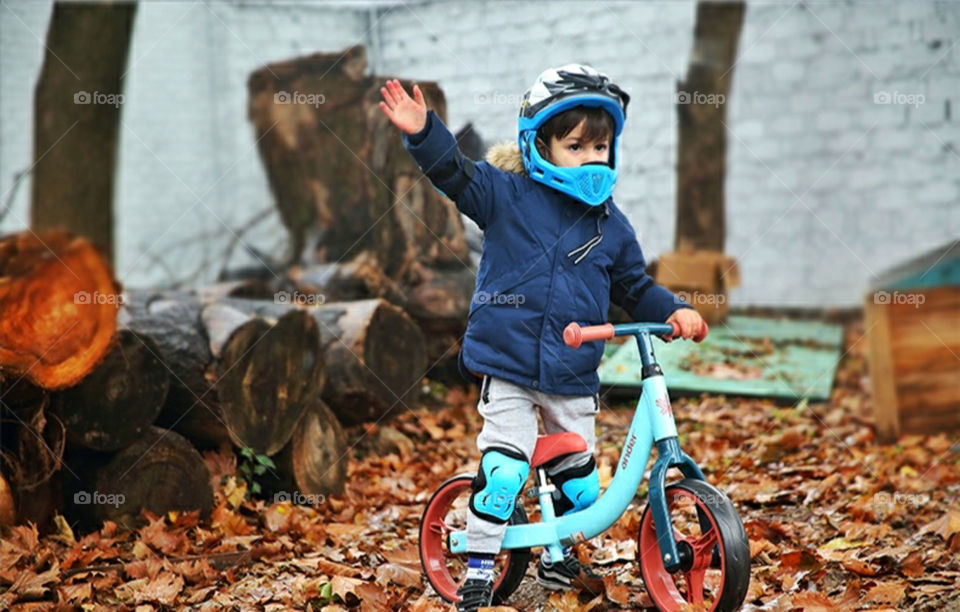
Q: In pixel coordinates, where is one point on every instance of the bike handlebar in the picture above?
(574, 335)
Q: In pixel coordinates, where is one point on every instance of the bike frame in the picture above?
(652, 424)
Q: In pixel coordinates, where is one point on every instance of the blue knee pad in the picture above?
(577, 488)
(498, 482)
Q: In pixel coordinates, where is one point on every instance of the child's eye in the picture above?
(574, 147)
(601, 147)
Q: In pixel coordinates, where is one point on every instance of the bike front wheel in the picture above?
(713, 546)
(447, 512)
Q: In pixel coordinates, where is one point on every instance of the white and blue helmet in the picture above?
(555, 91)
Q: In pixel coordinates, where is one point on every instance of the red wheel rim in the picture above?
(661, 584)
(434, 528)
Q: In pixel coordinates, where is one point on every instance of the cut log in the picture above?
(120, 399)
(314, 463)
(174, 326)
(374, 355)
(58, 307)
(22, 402)
(267, 374)
(438, 300)
(159, 472)
(338, 170)
(358, 278)
(237, 376)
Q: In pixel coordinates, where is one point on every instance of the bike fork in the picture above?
(670, 455)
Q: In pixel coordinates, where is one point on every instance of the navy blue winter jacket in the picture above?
(547, 260)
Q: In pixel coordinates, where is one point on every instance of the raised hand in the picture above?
(408, 114)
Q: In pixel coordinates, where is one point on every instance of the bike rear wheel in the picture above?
(714, 551)
(447, 512)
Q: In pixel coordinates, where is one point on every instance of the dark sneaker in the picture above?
(474, 593)
(568, 574)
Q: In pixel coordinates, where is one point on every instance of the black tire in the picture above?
(516, 560)
(731, 554)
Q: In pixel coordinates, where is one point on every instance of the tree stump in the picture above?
(337, 167)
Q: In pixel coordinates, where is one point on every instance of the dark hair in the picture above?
(599, 125)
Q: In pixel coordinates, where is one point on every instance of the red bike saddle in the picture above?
(554, 446)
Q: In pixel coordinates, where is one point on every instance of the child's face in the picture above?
(572, 150)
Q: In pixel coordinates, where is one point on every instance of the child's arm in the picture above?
(472, 186)
(635, 291)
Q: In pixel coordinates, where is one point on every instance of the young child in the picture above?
(556, 249)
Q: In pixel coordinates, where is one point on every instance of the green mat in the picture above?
(742, 356)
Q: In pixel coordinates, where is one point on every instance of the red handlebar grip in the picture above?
(574, 335)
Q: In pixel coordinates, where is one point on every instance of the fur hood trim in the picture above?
(507, 157)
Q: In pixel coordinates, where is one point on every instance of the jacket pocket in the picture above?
(485, 389)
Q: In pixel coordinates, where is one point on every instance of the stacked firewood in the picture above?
(109, 401)
(107, 397)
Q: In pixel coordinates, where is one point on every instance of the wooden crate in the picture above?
(913, 334)
(701, 278)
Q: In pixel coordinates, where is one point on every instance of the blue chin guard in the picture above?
(591, 183)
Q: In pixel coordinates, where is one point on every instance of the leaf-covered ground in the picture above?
(836, 521)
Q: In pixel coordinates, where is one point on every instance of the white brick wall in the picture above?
(23, 27)
(825, 187)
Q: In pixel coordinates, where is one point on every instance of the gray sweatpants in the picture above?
(510, 420)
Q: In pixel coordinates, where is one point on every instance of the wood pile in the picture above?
(110, 398)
